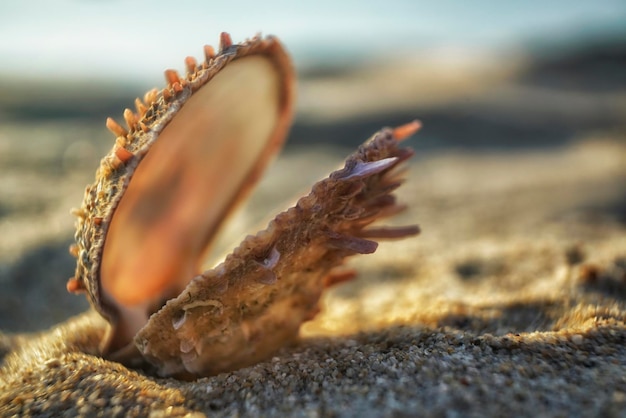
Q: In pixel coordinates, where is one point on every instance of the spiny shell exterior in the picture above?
(255, 301)
(132, 144)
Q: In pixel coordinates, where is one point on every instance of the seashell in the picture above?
(185, 158)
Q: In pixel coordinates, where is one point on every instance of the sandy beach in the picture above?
(512, 301)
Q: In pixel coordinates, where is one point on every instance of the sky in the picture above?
(129, 39)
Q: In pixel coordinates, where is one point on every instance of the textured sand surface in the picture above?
(512, 301)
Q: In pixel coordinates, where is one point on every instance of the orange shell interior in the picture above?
(191, 177)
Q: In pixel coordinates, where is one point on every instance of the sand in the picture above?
(512, 301)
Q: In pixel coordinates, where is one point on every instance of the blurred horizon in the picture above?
(134, 41)
(483, 75)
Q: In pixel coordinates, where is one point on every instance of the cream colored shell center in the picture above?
(187, 182)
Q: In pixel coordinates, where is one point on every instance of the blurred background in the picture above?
(485, 77)
(480, 73)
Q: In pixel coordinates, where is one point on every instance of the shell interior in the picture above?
(184, 187)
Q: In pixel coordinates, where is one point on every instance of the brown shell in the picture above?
(255, 301)
(144, 127)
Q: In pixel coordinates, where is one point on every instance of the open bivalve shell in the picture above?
(188, 155)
